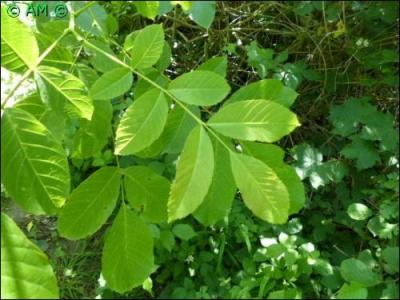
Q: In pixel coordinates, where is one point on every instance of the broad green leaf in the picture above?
(262, 190)
(93, 135)
(203, 12)
(199, 88)
(289, 293)
(184, 231)
(19, 48)
(148, 9)
(128, 252)
(90, 204)
(34, 166)
(218, 201)
(93, 20)
(61, 88)
(193, 176)
(354, 270)
(391, 257)
(254, 120)
(87, 74)
(268, 89)
(111, 84)
(217, 65)
(363, 152)
(25, 269)
(142, 123)
(379, 227)
(352, 291)
(268, 153)
(53, 120)
(100, 53)
(178, 127)
(272, 156)
(60, 57)
(165, 58)
(142, 85)
(358, 211)
(147, 47)
(167, 239)
(147, 192)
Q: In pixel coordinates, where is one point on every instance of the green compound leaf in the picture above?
(147, 192)
(90, 204)
(112, 84)
(193, 176)
(34, 166)
(147, 47)
(199, 88)
(254, 120)
(19, 48)
(25, 269)
(142, 123)
(262, 190)
(218, 201)
(128, 252)
(60, 88)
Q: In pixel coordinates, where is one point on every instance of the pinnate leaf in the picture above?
(193, 176)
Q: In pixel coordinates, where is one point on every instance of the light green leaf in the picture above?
(268, 89)
(60, 57)
(60, 87)
(25, 269)
(142, 123)
(184, 231)
(218, 64)
(100, 53)
(364, 152)
(352, 291)
(93, 135)
(193, 177)
(93, 20)
(90, 204)
(354, 270)
(358, 211)
(186, 5)
(53, 120)
(199, 88)
(147, 192)
(165, 58)
(148, 46)
(19, 48)
(178, 127)
(203, 12)
(34, 166)
(391, 257)
(142, 85)
(167, 239)
(262, 190)
(128, 252)
(112, 84)
(254, 120)
(148, 9)
(270, 154)
(218, 200)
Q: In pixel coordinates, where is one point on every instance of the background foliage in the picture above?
(342, 60)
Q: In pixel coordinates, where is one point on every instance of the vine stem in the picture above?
(144, 77)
